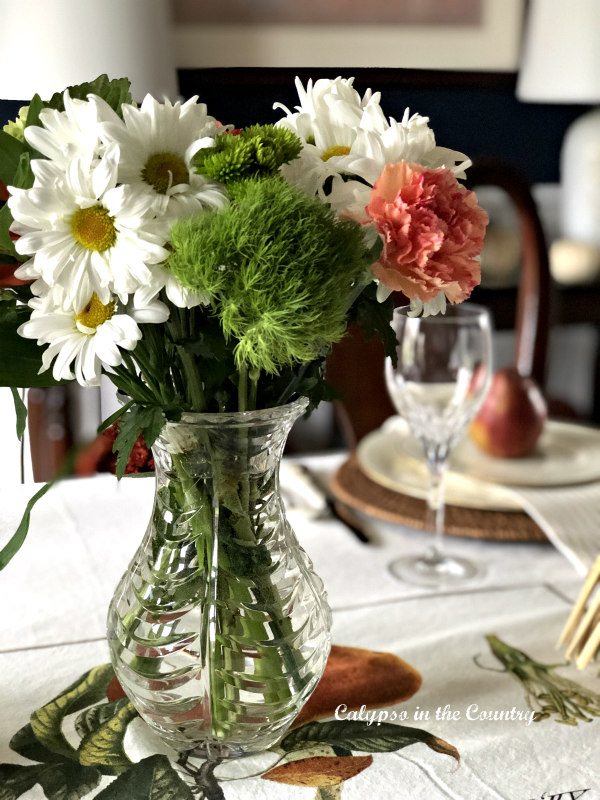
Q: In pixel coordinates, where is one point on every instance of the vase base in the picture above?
(197, 767)
(213, 751)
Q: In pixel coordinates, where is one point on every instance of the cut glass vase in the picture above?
(220, 630)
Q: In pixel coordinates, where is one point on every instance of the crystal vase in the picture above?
(219, 629)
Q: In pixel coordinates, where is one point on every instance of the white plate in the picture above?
(566, 454)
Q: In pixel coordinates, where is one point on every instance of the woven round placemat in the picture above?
(355, 489)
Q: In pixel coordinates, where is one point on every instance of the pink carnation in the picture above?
(432, 231)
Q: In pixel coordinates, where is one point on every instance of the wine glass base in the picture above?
(436, 569)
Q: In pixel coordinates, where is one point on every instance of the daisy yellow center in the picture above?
(336, 150)
(94, 228)
(95, 312)
(163, 170)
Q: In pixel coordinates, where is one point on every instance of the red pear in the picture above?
(512, 417)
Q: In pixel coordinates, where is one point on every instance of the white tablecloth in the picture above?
(83, 533)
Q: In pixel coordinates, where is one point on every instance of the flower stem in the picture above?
(243, 388)
(194, 383)
(254, 376)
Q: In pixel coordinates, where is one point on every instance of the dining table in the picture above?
(500, 714)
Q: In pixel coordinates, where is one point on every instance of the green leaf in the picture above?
(151, 779)
(20, 411)
(11, 150)
(114, 92)
(114, 417)
(145, 421)
(7, 246)
(103, 747)
(33, 112)
(46, 722)
(91, 719)
(20, 359)
(358, 735)
(19, 536)
(23, 178)
(374, 318)
(25, 744)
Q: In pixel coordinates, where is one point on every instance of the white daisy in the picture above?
(345, 135)
(328, 121)
(85, 235)
(157, 143)
(72, 133)
(80, 343)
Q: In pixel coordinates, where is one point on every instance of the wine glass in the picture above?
(440, 380)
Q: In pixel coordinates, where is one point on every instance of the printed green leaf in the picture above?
(68, 781)
(25, 744)
(151, 779)
(357, 735)
(46, 722)
(94, 717)
(20, 411)
(64, 781)
(329, 792)
(16, 779)
(103, 747)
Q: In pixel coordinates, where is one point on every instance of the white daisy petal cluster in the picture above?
(97, 219)
(348, 141)
(81, 342)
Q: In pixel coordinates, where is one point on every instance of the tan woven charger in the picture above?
(352, 487)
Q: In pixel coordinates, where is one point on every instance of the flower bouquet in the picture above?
(206, 271)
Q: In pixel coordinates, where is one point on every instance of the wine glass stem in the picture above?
(435, 502)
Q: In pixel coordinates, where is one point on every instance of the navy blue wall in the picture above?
(476, 113)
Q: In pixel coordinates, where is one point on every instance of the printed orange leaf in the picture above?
(319, 771)
(357, 677)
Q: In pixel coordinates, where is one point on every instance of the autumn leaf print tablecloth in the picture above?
(459, 690)
(452, 688)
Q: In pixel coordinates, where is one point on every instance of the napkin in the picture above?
(570, 518)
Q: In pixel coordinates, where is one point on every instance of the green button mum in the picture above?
(280, 269)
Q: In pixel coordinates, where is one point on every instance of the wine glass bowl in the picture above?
(441, 377)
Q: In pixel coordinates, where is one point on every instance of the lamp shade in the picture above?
(49, 46)
(560, 61)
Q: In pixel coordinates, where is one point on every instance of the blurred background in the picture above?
(511, 82)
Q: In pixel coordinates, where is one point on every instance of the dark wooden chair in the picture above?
(355, 367)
